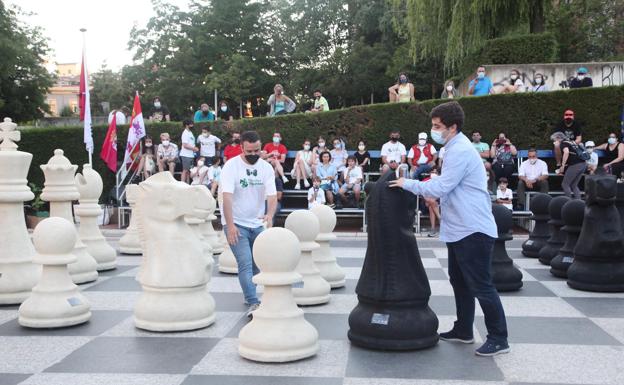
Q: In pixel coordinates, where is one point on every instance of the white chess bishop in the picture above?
(18, 274)
(200, 214)
(60, 190)
(278, 331)
(130, 243)
(90, 186)
(323, 257)
(173, 270)
(315, 289)
(55, 301)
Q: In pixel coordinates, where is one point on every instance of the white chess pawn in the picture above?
(60, 190)
(129, 243)
(90, 186)
(278, 331)
(315, 289)
(197, 218)
(227, 261)
(323, 257)
(55, 301)
(18, 274)
(208, 230)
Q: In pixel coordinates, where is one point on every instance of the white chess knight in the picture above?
(278, 331)
(18, 274)
(60, 190)
(208, 230)
(55, 301)
(129, 243)
(199, 216)
(323, 257)
(227, 260)
(173, 270)
(90, 186)
(315, 289)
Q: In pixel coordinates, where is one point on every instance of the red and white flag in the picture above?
(109, 148)
(85, 104)
(135, 133)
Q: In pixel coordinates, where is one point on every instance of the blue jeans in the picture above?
(469, 267)
(422, 168)
(246, 266)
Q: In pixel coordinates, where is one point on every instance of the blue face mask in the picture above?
(437, 137)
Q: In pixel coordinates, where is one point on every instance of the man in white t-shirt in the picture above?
(187, 149)
(209, 145)
(352, 177)
(246, 183)
(393, 153)
(532, 176)
(422, 157)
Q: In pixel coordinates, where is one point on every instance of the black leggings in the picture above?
(503, 170)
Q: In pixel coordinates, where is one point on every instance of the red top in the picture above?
(274, 150)
(231, 151)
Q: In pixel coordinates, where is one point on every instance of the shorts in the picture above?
(345, 188)
(187, 163)
(279, 184)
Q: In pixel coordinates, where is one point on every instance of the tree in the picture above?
(108, 87)
(24, 80)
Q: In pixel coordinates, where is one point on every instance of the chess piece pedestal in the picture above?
(572, 214)
(323, 257)
(557, 237)
(129, 243)
(540, 234)
(55, 301)
(278, 331)
(505, 276)
(90, 187)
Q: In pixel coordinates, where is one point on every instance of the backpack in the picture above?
(579, 151)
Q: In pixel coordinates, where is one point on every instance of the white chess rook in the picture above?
(173, 270)
(195, 220)
(130, 243)
(323, 257)
(315, 289)
(90, 186)
(60, 190)
(18, 274)
(55, 301)
(278, 331)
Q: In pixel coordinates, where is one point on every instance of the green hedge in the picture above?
(526, 118)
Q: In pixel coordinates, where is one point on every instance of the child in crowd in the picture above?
(433, 205)
(214, 175)
(504, 195)
(209, 145)
(592, 162)
(352, 176)
(200, 172)
(316, 196)
(362, 156)
(147, 164)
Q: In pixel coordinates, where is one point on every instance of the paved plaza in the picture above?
(557, 335)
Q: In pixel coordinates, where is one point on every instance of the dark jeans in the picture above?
(572, 178)
(469, 267)
(541, 186)
(503, 170)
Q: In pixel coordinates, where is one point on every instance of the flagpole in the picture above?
(84, 51)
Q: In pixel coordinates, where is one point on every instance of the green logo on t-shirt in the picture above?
(244, 183)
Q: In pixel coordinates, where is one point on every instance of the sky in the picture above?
(108, 25)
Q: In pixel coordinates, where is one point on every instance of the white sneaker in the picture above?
(251, 309)
(297, 187)
(306, 183)
(285, 179)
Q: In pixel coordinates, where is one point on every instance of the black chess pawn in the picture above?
(599, 253)
(505, 276)
(540, 234)
(572, 214)
(557, 237)
(393, 290)
(619, 202)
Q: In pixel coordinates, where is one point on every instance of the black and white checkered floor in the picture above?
(558, 336)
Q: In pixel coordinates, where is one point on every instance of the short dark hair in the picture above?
(250, 137)
(503, 180)
(187, 122)
(532, 149)
(395, 131)
(323, 153)
(352, 157)
(475, 132)
(205, 127)
(449, 113)
(317, 90)
(216, 159)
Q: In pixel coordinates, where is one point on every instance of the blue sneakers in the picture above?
(452, 336)
(490, 349)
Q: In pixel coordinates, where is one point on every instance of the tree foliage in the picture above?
(24, 80)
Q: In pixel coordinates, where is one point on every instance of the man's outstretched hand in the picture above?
(397, 183)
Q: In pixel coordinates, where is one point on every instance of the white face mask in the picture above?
(590, 150)
(514, 77)
(532, 161)
(538, 80)
(321, 144)
(306, 147)
(611, 140)
(223, 108)
(205, 135)
(276, 139)
(157, 104)
(165, 143)
(580, 77)
(361, 147)
(422, 142)
(449, 88)
(200, 163)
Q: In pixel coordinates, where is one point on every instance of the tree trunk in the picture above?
(537, 20)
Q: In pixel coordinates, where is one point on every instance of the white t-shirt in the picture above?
(354, 174)
(533, 171)
(214, 173)
(507, 194)
(339, 158)
(121, 118)
(250, 185)
(197, 178)
(593, 159)
(319, 199)
(187, 138)
(393, 151)
(423, 159)
(520, 84)
(208, 145)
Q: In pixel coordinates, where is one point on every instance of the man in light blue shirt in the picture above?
(481, 85)
(467, 227)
